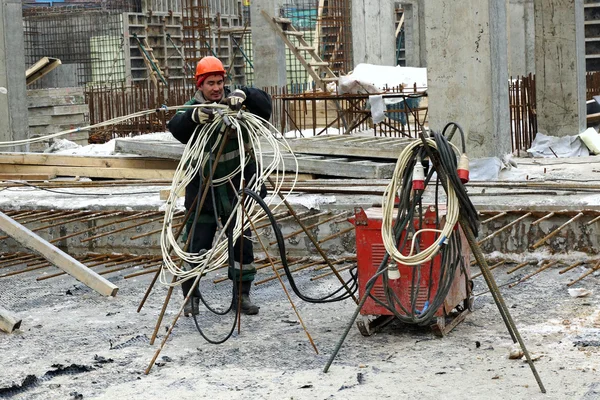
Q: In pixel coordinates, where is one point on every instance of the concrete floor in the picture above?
(102, 345)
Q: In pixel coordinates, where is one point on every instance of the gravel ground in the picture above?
(76, 344)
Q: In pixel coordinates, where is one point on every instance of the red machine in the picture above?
(370, 252)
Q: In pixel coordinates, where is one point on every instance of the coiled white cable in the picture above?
(195, 157)
(389, 197)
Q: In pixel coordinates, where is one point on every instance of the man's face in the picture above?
(212, 88)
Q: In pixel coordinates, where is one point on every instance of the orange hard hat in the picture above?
(208, 65)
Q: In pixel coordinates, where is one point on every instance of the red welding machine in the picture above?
(370, 252)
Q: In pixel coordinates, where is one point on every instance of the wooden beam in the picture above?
(26, 177)
(8, 321)
(41, 68)
(56, 256)
(92, 172)
(86, 161)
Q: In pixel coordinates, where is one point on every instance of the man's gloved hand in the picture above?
(235, 100)
(202, 115)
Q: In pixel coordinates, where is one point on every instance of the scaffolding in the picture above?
(326, 25)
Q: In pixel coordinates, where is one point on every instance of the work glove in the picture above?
(235, 100)
(202, 115)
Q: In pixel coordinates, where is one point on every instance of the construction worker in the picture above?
(210, 77)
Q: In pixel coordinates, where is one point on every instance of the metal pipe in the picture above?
(20, 260)
(224, 140)
(593, 220)
(301, 215)
(135, 216)
(341, 260)
(154, 231)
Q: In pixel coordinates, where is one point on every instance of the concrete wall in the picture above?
(269, 49)
(373, 29)
(560, 67)
(467, 72)
(521, 37)
(13, 104)
(54, 110)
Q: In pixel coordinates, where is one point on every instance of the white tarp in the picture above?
(554, 146)
(369, 78)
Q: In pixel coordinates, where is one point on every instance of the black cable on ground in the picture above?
(352, 282)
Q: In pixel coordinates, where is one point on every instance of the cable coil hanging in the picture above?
(397, 235)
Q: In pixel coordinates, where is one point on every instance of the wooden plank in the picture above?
(8, 321)
(86, 161)
(340, 167)
(57, 257)
(26, 177)
(91, 172)
(41, 68)
(344, 145)
(171, 150)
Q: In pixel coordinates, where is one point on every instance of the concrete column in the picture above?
(269, 49)
(521, 38)
(414, 31)
(13, 92)
(467, 72)
(560, 67)
(373, 28)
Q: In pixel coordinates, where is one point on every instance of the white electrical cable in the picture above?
(195, 157)
(113, 121)
(389, 197)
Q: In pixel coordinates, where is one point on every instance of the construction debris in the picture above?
(41, 68)
(56, 256)
(8, 321)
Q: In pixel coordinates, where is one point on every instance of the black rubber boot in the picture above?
(246, 307)
(192, 306)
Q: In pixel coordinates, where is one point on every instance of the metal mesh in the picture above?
(89, 38)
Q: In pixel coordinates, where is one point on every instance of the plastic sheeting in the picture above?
(369, 78)
(553, 146)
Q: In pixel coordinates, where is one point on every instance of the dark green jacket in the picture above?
(182, 127)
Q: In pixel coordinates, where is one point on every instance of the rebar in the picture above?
(518, 267)
(554, 232)
(493, 267)
(545, 217)
(591, 271)
(499, 215)
(497, 232)
(537, 271)
(570, 267)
